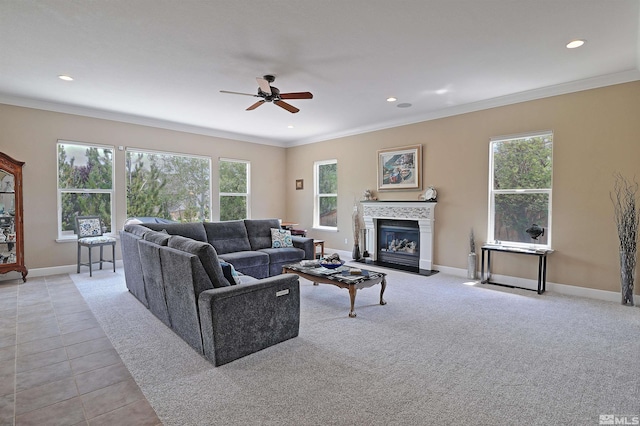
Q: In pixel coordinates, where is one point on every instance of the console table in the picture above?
(542, 262)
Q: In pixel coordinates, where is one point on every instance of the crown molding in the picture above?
(530, 95)
(132, 119)
(544, 92)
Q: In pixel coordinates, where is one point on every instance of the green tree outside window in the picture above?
(327, 193)
(521, 187)
(85, 184)
(234, 189)
(169, 186)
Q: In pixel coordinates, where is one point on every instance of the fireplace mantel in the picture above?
(420, 211)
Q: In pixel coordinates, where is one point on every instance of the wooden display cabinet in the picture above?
(11, 222)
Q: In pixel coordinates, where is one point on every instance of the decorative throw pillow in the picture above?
(281, 238)
(230, 272)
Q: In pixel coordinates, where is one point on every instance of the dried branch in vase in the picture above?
(472, 242)
(624, 198)
(357, 224)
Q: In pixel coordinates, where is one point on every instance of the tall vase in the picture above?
(471, 266)
(355, 255)
(627, 276)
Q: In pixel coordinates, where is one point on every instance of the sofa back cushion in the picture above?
(227, 236)
(157, 237)
(137, 230)
(259, 232)
(207, 255)
(195, 230)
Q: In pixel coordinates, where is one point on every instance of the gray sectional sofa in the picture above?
(176, 270)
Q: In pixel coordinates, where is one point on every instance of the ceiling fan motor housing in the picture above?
(274, 96)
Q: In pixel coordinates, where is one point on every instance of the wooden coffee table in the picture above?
(353, 283)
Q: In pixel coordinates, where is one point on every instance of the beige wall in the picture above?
(31, 135)
(596, 133)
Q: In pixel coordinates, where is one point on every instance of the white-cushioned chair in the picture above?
(89, 230)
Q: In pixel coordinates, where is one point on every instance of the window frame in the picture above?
(247, 195)
(129, 150)
(493, 192)
(59, 191)
(317, 195)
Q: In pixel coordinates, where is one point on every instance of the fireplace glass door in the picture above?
(399, 242)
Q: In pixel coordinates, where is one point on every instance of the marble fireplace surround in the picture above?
(420, 211)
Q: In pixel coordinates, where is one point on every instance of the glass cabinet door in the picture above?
(11, 219)
(7, 218)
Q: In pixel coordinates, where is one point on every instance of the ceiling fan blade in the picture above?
(286, 106)
(256, 105)
(264, 85)
(238, 93)
(296, 95)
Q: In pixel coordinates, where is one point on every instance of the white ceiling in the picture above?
(164, 62)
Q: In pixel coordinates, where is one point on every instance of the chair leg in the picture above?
(79, 255)
(90, 263)
(113, 256)
(101, 256)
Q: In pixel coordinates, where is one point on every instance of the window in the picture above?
(520, 188)
(85, 185)
(325, 209)
(234, 189)
(169, 186)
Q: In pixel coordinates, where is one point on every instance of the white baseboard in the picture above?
(53, 270)
(569, 290)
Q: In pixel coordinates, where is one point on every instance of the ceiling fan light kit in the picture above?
(272, 94)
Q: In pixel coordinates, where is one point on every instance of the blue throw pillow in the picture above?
(230, 272)
(281, 238)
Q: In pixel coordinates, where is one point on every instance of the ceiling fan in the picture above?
(269, 93)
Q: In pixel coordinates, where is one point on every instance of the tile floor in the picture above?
(57, 367)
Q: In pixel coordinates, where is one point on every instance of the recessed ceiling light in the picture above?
(575, 43)
(65, 77)
(391, 99)
(290, 126)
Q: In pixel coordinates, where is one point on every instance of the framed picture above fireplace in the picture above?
(399, 168)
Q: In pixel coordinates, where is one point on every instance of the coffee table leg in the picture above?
(352, 296)
(384, 286)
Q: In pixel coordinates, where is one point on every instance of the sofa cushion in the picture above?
(207, 255)
(137, 230)
(259, 232)
(195, 230)
(158, 237)
(246, 259)
(281, 238)
(228, 236)
(247, 279)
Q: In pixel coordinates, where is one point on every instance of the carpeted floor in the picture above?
(440, 352)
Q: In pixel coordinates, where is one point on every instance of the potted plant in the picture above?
(624, 198)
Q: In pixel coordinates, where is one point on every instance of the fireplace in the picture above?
(399, 242)
(412, 221)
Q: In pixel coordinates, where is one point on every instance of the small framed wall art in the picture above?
(299, 184)
(399, 168)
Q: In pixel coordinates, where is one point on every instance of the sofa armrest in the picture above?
(305, 244)
(242, 319)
